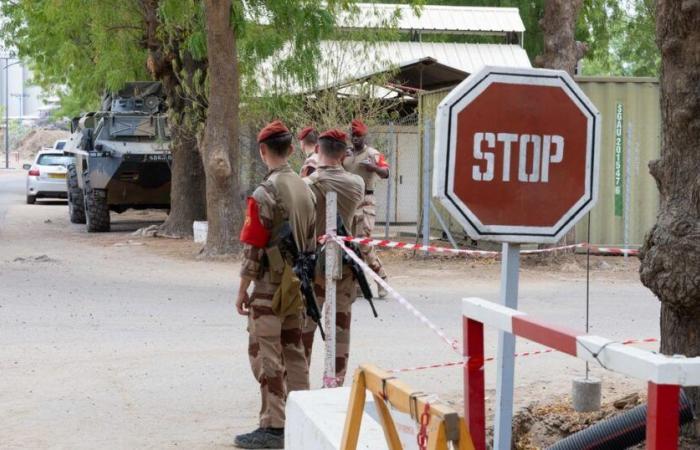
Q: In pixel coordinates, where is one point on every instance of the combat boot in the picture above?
(261, 438)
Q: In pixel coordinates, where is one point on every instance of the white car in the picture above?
(47, 176)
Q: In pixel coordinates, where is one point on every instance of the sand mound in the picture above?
(36, 139)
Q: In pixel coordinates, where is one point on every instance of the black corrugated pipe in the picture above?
(622, 431)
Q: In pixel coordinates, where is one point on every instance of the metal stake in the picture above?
(503, 426)
(390, 183)
(329, 378)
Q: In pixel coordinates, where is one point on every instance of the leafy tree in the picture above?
(78, 50)
(74, 48)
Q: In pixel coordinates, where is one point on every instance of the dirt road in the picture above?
(120, 342)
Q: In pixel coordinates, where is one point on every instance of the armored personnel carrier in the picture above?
(122, 157)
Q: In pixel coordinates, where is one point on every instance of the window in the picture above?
(54, 159)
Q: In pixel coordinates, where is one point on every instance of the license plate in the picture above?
(57, 175)
(165, 157)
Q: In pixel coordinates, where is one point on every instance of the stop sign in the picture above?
(516, 154)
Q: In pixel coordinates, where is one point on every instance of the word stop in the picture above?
(535, 154)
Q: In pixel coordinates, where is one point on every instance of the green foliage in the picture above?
(77, 48)
(619, 33)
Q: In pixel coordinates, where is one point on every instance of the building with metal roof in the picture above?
(408, 66)
(435, 19)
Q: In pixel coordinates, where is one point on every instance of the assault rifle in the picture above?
(355, 267)
(304, 268)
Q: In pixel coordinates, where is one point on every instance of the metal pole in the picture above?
(444, 226)
(626, 213)
(329, 378)
(426, 182)
(7, 115)
(389, 185)
(503, 426)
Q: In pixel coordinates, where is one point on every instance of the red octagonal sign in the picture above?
(516, 154)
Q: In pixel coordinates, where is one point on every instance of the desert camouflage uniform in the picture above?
(350, 191)
(367, 211)
(309, 166)
(275, 348)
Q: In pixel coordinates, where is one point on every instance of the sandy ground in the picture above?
(113, 341)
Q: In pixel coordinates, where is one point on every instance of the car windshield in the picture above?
(49, 159)
(60, 145)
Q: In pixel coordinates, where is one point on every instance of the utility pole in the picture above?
(7, 110)
(7, 117)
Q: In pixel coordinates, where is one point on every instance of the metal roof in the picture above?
(435, 19)
(343, 62)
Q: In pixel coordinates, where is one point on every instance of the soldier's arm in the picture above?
(256, 233)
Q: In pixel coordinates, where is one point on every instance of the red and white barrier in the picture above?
(484, 253)
(517, 355)
(664, 374)
(453, 343)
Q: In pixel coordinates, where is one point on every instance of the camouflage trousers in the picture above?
(345, 295)
(276, 354)
(364, 225)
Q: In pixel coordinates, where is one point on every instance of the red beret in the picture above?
(358, 127)
(272, 129)
(334, 134)
(304, 132)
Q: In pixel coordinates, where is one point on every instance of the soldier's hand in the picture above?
(369, 165)
(242, 303)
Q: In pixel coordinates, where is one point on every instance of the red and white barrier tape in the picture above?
(492, 358)
(454, 344)
(483, 253)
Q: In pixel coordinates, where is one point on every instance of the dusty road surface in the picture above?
(113, 341)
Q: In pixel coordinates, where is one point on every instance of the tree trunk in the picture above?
(671, 252)
(187, 191)
(561, 50)
(220, 145)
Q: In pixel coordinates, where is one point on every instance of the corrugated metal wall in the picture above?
(631, 137)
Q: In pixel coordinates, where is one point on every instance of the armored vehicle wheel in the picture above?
(31, 199)
(76, 203)
(96, 209)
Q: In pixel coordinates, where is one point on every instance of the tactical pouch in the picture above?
(287, 299)
(276, 263)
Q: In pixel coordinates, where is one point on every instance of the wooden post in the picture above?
(474, 401)
(662, 416)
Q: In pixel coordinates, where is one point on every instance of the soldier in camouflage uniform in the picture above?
(275, 318)
(368, 163)
(308, 137)
(330, 176)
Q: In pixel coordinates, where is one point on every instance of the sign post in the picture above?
(516, 161)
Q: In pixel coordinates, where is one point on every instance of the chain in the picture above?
(422, 437)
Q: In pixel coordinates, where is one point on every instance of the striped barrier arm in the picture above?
(665, 375)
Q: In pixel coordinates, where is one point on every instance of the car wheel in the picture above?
(31, 199)
(76, 203)
(96, 209)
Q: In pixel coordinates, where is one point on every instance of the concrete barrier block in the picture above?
(315, 421)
